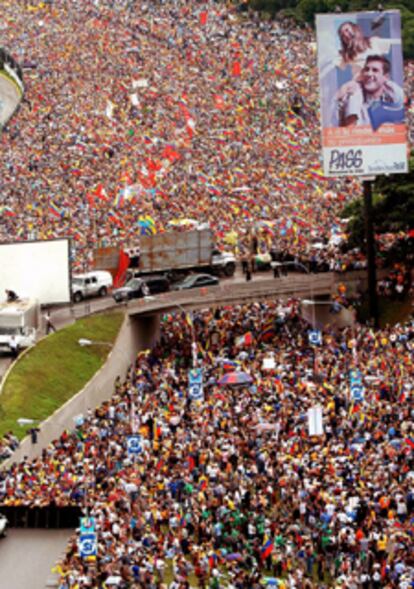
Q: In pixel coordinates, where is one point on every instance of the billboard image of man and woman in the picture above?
(361, 90)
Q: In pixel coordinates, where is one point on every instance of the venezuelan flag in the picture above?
(293, 144)
(119, 198)
(55, 210)
(268, 334)
(267, 548)
(230, 365)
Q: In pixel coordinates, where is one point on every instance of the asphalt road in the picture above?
(27, 556)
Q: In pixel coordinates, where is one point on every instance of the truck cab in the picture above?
(223, 263)
(24, 337)
(19, 321)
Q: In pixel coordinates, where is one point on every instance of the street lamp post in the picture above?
(83, 342)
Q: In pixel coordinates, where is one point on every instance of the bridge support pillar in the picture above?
(322, 314)
(145, 330)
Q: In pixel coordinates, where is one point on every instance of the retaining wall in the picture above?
(132, 337)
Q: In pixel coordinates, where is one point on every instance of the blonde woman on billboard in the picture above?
(355, 47)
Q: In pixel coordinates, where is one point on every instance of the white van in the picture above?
(91, 284)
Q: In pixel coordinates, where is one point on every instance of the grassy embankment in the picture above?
(54, 370)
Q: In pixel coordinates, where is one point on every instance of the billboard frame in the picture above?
(362, 103)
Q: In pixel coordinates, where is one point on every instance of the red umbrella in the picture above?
(235, 378)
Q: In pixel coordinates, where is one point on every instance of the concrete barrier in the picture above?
(47, 517)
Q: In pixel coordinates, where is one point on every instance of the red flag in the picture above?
(153, 165)
(123, 265)
(170, 153)
(236, 68)
(244, 340)
(410, 442)
(203, 17)
(100, 192)
(90, 199)
(114, 219)
(219, 102)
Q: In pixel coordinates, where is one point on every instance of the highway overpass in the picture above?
(235, 293)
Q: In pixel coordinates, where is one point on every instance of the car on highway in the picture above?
(3, 525)
(290, 266)
(196, 281)
(137, 288)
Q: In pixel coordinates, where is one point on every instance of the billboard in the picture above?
(36, 269)
(361, 93)
(11, 87)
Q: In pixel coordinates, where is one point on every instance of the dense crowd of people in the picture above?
(175, 110)
(8, 444)
(232, 489)
(397, 283)
(178, 111)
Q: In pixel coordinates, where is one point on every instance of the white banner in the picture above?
(315, 425)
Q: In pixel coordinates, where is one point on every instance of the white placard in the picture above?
(315, 426)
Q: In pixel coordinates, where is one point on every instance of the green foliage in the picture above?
(355, 213)
(293, 15)
(393, 207)
(395, 210)
(54, 370)
(408, 36)
(272, 6)
(305, 10)
(308, 8)
(390, 312)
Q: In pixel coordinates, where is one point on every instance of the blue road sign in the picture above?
(315, 337)
(87, 545)
(134, 444)
(195, 384)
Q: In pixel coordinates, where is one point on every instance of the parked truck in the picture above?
(171, 253)
(19, 321)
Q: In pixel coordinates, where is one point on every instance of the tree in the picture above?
(393, 209)
(305, 10)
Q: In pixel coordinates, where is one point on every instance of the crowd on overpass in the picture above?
(230, 489)
(177, 110)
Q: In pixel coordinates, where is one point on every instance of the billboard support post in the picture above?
(370, 252)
